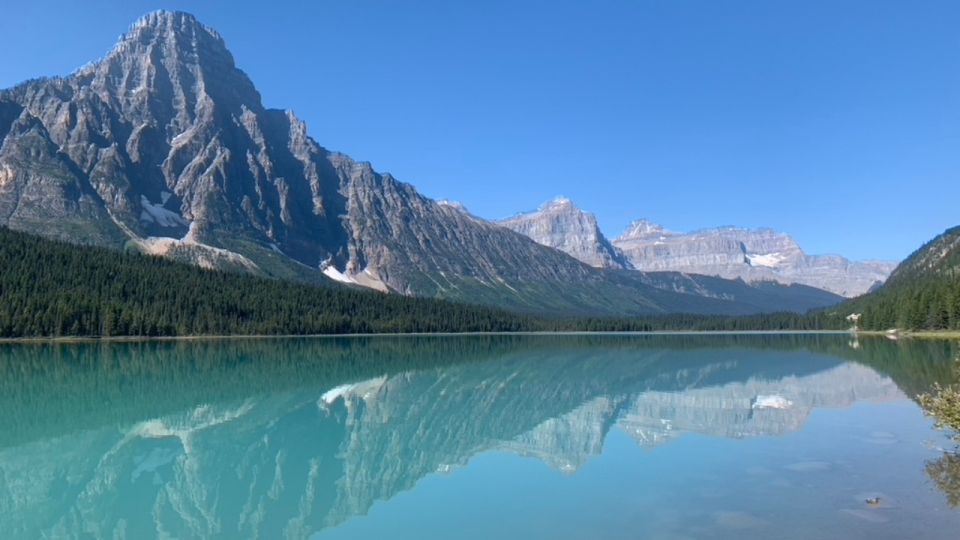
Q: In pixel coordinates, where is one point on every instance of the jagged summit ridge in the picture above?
(164, 145)
(171, 20)
(558, 203)
(168, 143)
(751, 254)
(729, 252)
(560, 224)
(642, 228)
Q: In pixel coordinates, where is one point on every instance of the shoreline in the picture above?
(923, 334)
(136, 339)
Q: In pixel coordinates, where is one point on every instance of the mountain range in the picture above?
(164, 146)
(729, 252)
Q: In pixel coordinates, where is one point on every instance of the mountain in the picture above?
(938, 258)
(164, 146)
(51, 288)
(561, 225)
(923, 292)
(760, 255)
(750, 254)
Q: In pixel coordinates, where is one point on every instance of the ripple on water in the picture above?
(809, 466)
(871, 516)
(738, 519)
(881, 437)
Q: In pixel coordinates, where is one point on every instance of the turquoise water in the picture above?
(475, 437)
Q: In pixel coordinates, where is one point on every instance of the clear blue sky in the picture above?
(836, 121)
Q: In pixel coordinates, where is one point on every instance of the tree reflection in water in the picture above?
(942, 403)
(945, 473)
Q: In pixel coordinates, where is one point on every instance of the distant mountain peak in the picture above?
(558, 203)
(165, 17)
(170, 22)
(642, 228)
(560, 224)
(761, 254)
(164, 145)
(169, 30)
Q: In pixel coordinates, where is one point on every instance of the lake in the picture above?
(566, 436)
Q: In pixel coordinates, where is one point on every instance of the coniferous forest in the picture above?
(932, 303)
(55, 289)
(50, 288)
(922, 294)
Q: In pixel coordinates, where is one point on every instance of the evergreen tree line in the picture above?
(55, 289)
(927, 302)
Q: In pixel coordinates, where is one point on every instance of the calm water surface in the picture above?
(476, 437)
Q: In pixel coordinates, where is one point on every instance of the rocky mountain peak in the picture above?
(560, 224)
(174, 30)
(170, 55)
(163, 145)
(642, 228)
(559, 204)
(749, 254)
(170, 22)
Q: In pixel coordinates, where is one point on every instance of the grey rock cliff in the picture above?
(750, 254)
(164, 145)
(561, 225)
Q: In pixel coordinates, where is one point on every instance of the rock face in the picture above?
(164, 145)
(752, 255)
(561, 225)
(749, 254)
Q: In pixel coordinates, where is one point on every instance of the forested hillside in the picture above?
(54, 289)
(49, 288)
(923, 293)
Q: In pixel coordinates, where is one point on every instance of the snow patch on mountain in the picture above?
(366, 278)
(750, 254)
(769, 260)
(336, 275)
(157, 213)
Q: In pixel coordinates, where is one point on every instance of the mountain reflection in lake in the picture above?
(472, 437)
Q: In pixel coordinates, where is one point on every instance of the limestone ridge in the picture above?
(749, 254)
(164, 145)
(561, 225)
(754, 255)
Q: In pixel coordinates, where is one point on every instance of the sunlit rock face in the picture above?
(754, 255)
(164, 145)
(750, 254)
(297, 455)
(561, 225)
